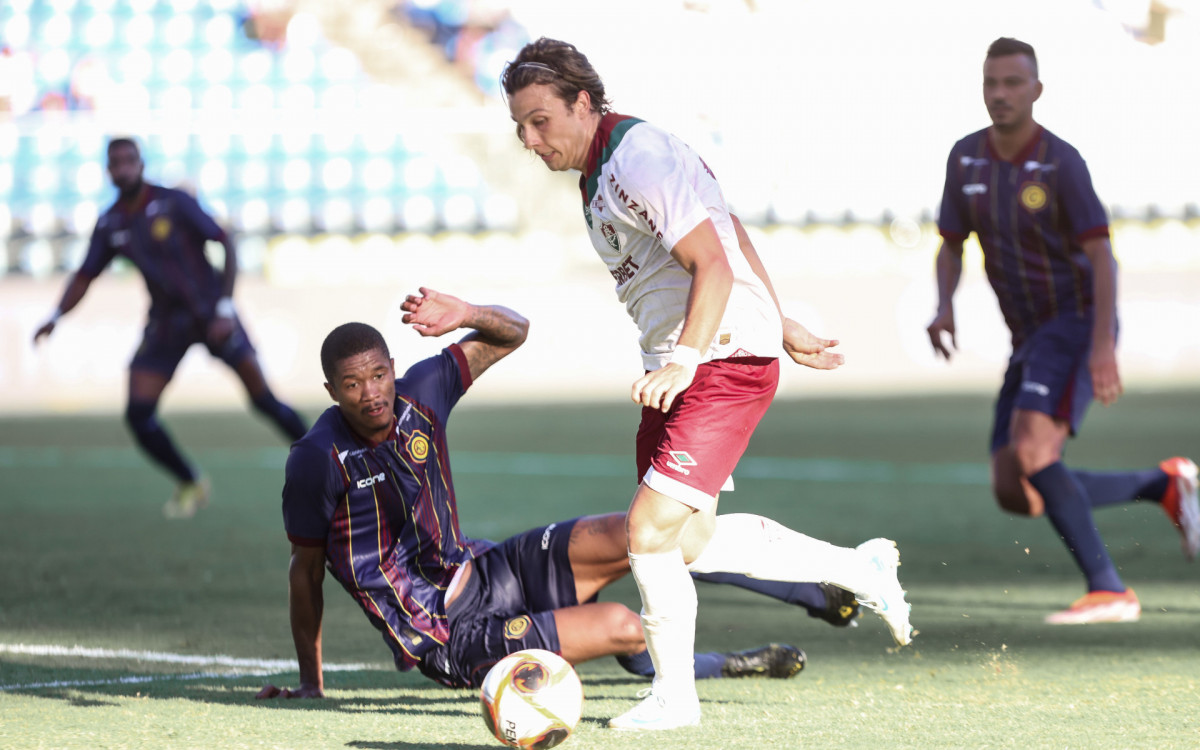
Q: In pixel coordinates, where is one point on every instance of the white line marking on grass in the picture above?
(132, 680)
(239, 667)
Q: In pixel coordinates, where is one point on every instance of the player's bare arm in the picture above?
(76, 288)
(756, 264)
(498, 331)
(802, 346)
(1102, 362)
(306, 605)
(702, 255)
(949, 271)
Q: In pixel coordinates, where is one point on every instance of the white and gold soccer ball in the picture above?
(532, 699)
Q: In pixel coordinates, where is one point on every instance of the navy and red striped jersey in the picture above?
(385, 513)
(163, 233)
(1031, 215)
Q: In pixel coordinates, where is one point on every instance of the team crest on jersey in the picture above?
(517, 627)
(610, 235)
(587, 215)
(160, 228)
(1033, 196)
(418, 446)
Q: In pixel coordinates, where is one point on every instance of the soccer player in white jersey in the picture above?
(711, 329)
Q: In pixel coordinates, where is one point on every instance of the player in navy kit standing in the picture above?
(1027, 195)
(163, 232)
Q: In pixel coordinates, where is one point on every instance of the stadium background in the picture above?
(359, 150)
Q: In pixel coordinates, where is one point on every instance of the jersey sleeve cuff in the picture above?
(1093, 233)
(951, 236)
(464, 369)
(682, 227)
(304, 541)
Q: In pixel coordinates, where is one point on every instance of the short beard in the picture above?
(131, 193)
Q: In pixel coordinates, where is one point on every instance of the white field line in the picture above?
(237, 667)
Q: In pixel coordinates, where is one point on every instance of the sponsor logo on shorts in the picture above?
(1038, 388)
(517, 627)
(418, 446)
(680, 459)
(546, 536)
(364, 483)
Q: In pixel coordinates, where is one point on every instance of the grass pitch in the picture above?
(179, 624)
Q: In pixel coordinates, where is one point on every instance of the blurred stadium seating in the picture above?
(260, 162)
(288, 117)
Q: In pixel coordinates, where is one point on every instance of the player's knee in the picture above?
(624, 627)
(139, 415)
(1015, 495)
(1032, 454)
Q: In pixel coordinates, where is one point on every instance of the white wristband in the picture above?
(224, 308)
(686, 356)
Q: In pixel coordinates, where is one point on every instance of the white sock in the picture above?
(668, 620)
(761, 548)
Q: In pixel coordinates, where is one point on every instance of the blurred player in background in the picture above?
(711, 329)
(369, 495)
(163, 232)
(1028, 196)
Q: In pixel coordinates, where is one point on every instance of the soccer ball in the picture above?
(532, 699)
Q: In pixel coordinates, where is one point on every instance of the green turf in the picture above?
(86, 559)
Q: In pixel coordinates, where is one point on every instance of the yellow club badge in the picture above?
(1033, 196)
(160, 228)
(517, 627)
(418, 446)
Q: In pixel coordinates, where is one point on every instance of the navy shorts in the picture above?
(168, 336)
(1047, 373)
(506, 605)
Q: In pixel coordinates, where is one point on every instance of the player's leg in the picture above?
(1038, 439)
(827, 602)
(164, 343)
(237, 352)
(654, 527)
(145, 389)
(596, 557)
(762, 548)
(684, 459)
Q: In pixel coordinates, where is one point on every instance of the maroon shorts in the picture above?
(688, 453)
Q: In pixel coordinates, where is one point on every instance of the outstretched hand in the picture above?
(46, 329)
(432, 313)
(811, 351)
(304, 691)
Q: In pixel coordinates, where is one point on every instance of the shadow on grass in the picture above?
(372, 745)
